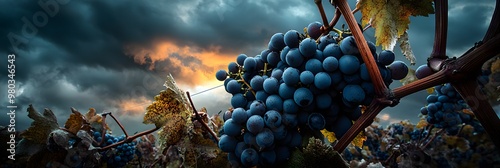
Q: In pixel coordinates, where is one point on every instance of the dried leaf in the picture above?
(430, 90)
(41, 126)
(410, 77)
(330, 136)
(359, 140)
(404, 44)
(95, 121)
(391, 18)
(75, 121)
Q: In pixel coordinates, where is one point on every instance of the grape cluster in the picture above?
(300, 81)
(446, 109)
(118, 156)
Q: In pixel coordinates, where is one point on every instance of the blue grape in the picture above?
(240, 146)
(323, 101)
(274, 102)
(348, 64)
(292, 38)
(348, 46)
(289, 120)
(249, 157)
(249, 64)
(294, 58)
(261, 95)
(353, 93)
(291, 76)
(307, 47)
(249, 138)
(353, 79)
(221, 75)
(277, 42)
(314, 29)
(227, 143)
(303, 97)
(233, 87)
(238, 100)
(265, 138)
(432, 98)
(423, 71)
(284, 53)
(314, 66)
(285, 91)
(257, 83)
(273, 58)
(341, 125)
(257, 107)
(386, 57)
(336, 77)
(322, 80)
(239, 115)
(279, 132)
(324, 41)
(232, 128)
(241, 59)
(267, 157)
(264, 54)
(255, 124)
(277, 73)
(332, 50)
(399, 70)
(330, 64)
(296, 140)
(290, 107)
(306, 77)
(319, 55)
(316, 121)
(272, 119)
(271, 85)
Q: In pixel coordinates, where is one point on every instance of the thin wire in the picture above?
(209, 89)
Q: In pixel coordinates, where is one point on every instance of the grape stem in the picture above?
(198, 117)
(118, 122)
(130, 138)
(321, 11)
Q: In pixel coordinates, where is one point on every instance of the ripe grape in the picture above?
(232, 128)
(276, 43)
(386, 57)
(330, 64)
(265, 138)
(239, 115)
(303, 97)
(399, 70)
(271, 85)
(313, 29)
(308, 47)
(349, 64)
(294, 58)
(315, 66)
(292, 38)
(316, 121)
(423, 71)
(306, 77)
(249, 157)
(255, 124)
(291, 76)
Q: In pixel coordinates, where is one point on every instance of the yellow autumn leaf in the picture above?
(330, 136)
(391, 19)
(430, 90)
(74, 122)
(359, 140)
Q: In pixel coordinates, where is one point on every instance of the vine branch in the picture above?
(438, 54)
(198, 117)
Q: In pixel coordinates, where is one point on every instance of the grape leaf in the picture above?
(391, 19)
(41, 126)
(75, 121)
(330, 136)
(359, 139)
(410, 77)
(404, 44)
(95, 121)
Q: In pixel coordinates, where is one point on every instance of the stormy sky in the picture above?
(115, 55)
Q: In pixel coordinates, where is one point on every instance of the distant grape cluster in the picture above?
(299, 84)
(119, 156)
(446, 109)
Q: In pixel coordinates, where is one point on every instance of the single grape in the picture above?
(232, 128)
(386, 57)
(324, 41)
(294, 58)
(240, 146)
(233, 87)
(285, 91)
(274, 102)
(227, 143)
(332, 50)
(291, 76)
(238, 100)
(353, 94)
(348, 46)
(277, 73)
(423, 71)
(303, 97)
(241, 59)
(273, 58)
(249, 138)
(306, 77)
(277, 43)
(271, 85)
(279, 132)
(221, 75)
(272, 119)
(330, 64)
(290, 107)
(264, 54)
(399, 70)
(316, 121)
(289, 120)
(249, 64)
(308, 47)
(314, 29)
(265, 138)
(322, 80)
(249, 157)
(257, 107)
(255, 124)
(292, 38)
(239, 115)
(349, 64)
